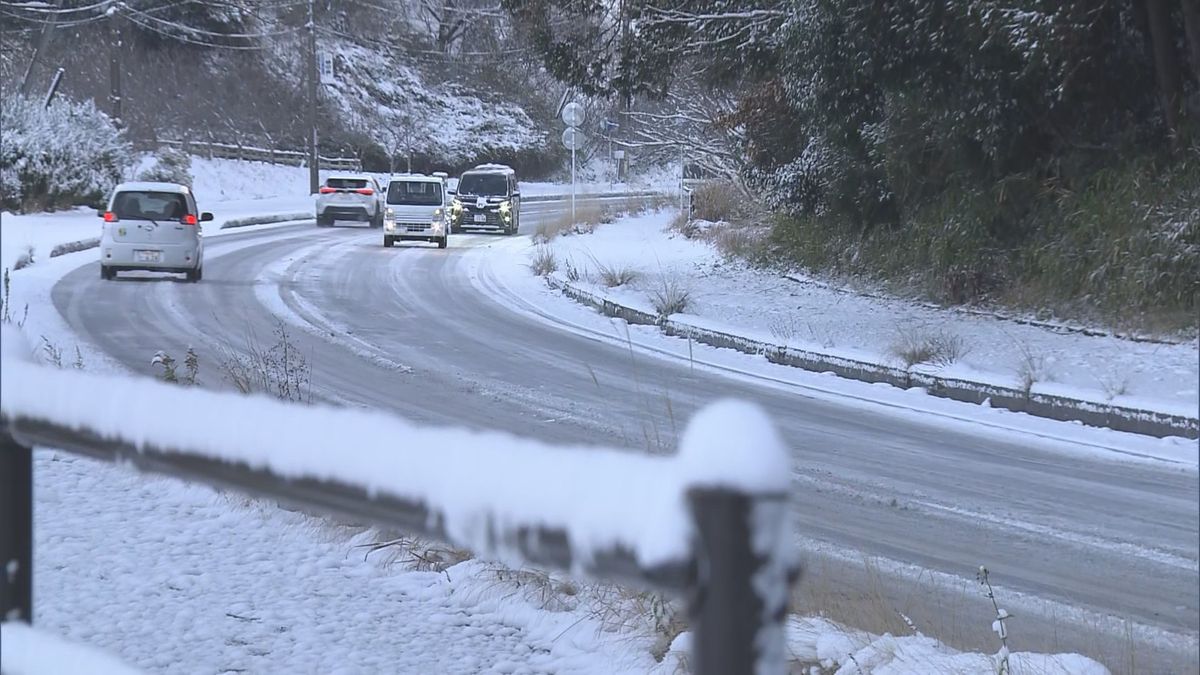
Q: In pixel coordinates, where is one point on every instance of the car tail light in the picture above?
(326, 190)
(189, 219)
(110, 217)
(365, 191)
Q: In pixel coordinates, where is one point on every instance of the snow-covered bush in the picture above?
(170, 166)
(67, 154)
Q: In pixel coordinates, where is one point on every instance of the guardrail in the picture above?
(708, 524)
(254, 154)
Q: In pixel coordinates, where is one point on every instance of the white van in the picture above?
(152, 226)
(416, 210)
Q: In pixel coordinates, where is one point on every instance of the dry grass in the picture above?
(543, 263)
(1033, 367)
(748, 242)
(280, 370)
(418, 554)
(671, 296)
(616, 275)
(587, 216)
(937, 347)
(718, 201)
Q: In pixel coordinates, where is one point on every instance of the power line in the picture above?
(208, 33)
(29, 7)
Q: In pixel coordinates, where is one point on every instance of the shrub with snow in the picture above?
(61, 156)
(170, 166)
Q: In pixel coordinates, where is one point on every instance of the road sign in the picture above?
(618, 154)
(573, 114)
(573, 139)
(325, 68)
(610, 125)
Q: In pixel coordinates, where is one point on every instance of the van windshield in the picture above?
(487, 184)
(415, 193)
(150, 205)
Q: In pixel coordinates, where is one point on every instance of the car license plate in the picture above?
(480, 218)
(148, 256)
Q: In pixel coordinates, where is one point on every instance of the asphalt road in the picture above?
(1092, 556)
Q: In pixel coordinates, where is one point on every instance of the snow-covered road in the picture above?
(1079, 544)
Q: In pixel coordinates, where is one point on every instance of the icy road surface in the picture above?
(1077, 544)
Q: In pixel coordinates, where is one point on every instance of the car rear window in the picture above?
(346, 183)
(139, 205)
(492, 184)
(414, 193)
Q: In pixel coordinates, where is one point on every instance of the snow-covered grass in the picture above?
(761, 304)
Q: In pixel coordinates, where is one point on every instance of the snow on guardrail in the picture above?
(602, 498)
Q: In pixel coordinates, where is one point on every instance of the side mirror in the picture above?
(450, 191)
(516, 193)
(99, 213)
(205, 217)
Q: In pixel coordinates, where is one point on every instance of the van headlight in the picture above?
(439, 216)
(456, 207)
(506, 210)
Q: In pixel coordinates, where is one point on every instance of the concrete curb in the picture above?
(267, 219)
(590, 196)
(1120, 418)
(74, 246)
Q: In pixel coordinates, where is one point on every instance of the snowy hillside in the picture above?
(397, 107)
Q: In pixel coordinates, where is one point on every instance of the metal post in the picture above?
(314, 169)
(682, 177)
(740, 598)
(573, 183)
(16, 530)
(58, 75)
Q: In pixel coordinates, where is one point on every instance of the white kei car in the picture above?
(152, 226)
(416, 209)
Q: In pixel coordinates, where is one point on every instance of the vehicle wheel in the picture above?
(106, 273)
(377, 219)
(192, 276)
(444, 241)
(388, 241)
(322, 221)
(200, 272)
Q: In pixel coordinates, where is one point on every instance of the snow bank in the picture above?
(817, 643)
(28, 651)
(730, 297)
(602, 498)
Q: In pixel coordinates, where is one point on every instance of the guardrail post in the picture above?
(16, 529)
(743, 578)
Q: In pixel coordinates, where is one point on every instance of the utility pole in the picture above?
(42, 45)
(114, 63)
(314, 175)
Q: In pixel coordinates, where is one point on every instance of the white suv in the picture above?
(416, 209)
(350, 197)
(152, 226)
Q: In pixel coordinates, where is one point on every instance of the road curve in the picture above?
(404, 330)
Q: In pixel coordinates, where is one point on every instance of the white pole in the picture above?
(681, 179)
(572, 183)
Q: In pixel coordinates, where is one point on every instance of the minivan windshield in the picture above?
(414, 193)
(142, 205)
(488, 184)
